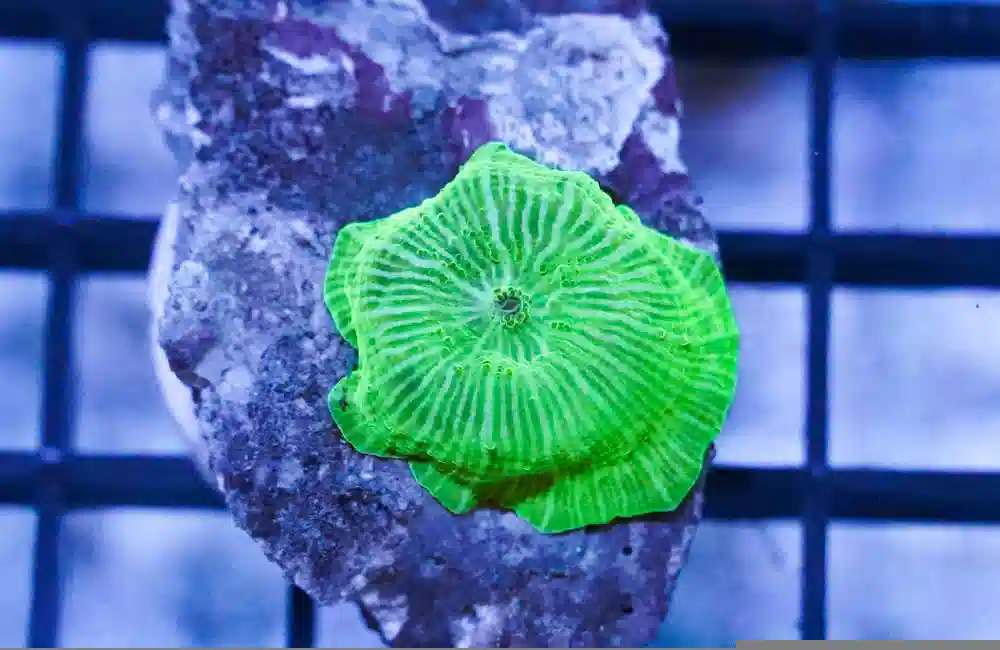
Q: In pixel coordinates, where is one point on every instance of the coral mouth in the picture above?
(511, 306)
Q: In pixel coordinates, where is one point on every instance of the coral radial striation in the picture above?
(527, 344)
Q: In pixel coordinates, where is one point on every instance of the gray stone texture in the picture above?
(291, 119)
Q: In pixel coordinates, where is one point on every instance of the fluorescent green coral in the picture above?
(526, 344)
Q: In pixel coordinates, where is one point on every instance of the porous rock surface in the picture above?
(292, 118)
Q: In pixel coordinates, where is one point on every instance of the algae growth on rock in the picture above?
(526, 344)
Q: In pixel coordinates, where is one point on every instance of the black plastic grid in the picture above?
(68, 243)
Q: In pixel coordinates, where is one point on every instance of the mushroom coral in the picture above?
(526, 344)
